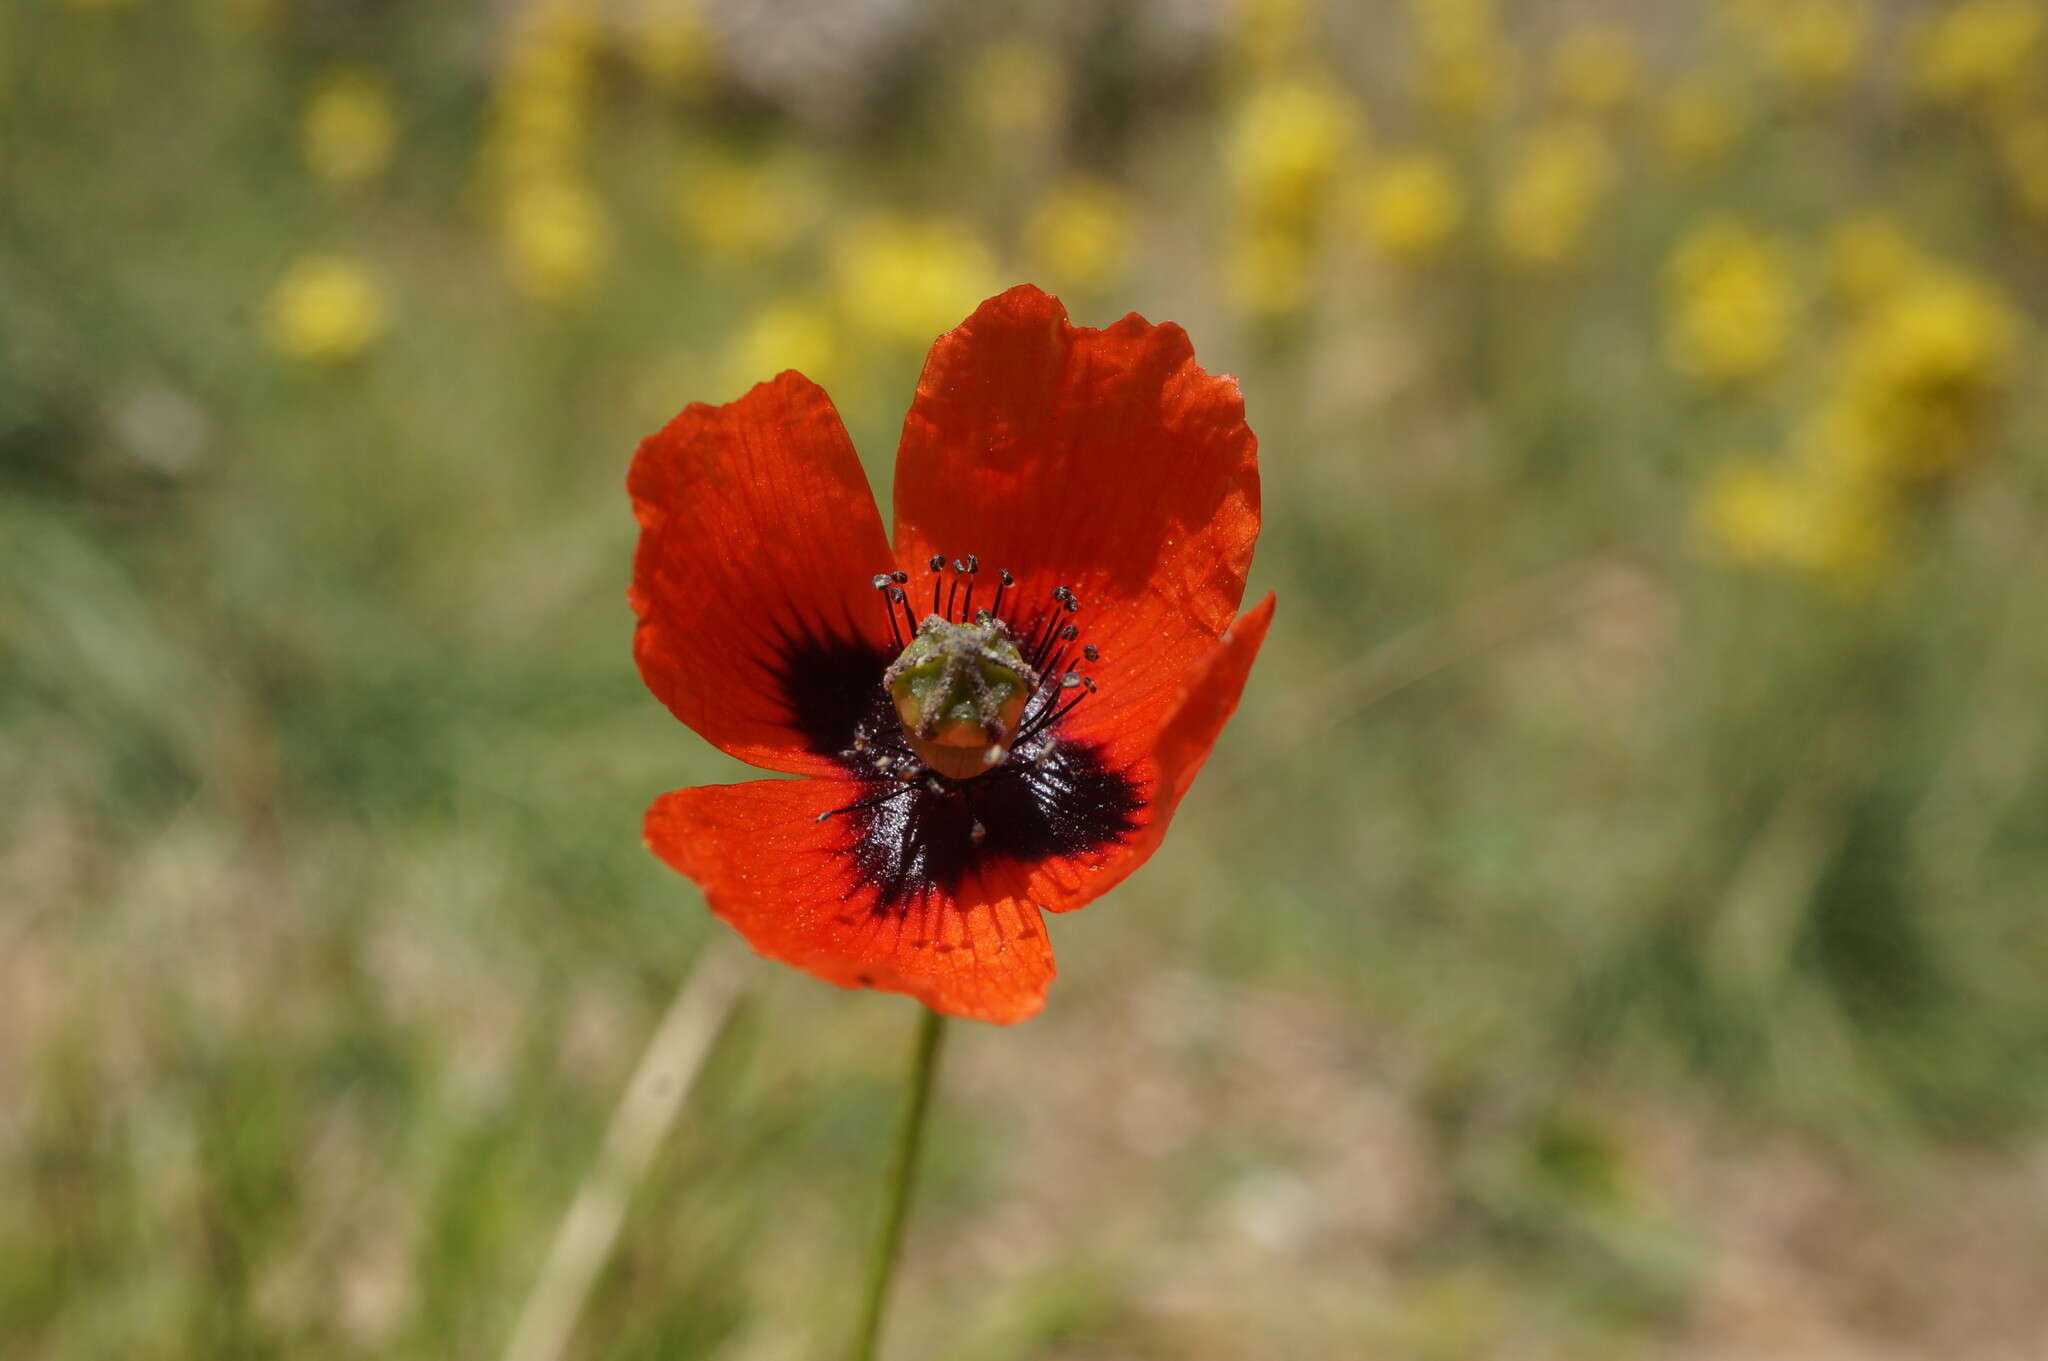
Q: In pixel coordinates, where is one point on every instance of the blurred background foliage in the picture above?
(1613, 926)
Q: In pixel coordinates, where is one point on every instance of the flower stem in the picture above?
(917, 1100)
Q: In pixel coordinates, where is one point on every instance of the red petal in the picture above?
(1108, 461)
(789, 884)
(757, 528)
(1203, 703)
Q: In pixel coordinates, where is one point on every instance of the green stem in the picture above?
(902, 1176)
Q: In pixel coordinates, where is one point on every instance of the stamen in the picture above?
(1050, 715)
(1042, 634)
(882, 583)
(898, 596)
(871, 801)
(961, 569)
(1003, 583)
(1088, 650)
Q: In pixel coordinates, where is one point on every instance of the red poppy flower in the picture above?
(996, 716)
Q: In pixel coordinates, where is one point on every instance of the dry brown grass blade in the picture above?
(666, 1071)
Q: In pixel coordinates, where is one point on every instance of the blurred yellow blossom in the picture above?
(1813, 45)
(1080, 235)
(1016, 88)
(554, 232)
(673, 46)
(540, 105)
(1984, 53)
(1868, 255)
(326, 310)
(1552, 193)
(1924, 372)
(1698, 121)
(1455, 23)
(753, 208)
(555, 237)
(1411, 205)
(1918, 380)
(1268, 273)
(350, 128)
(1753, 511)
(1466, 65)
(1594, 69)
(540, 102)
(1731, 303)
(787, 334)
(1793, 517)
(908, 279)
(1285, 142)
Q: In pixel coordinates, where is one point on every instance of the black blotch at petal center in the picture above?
(1068, 802)
(832, 688)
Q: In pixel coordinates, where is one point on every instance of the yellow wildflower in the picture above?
(1924, 371)
(1983, 53)
(1466, 65)
(1268, 273)
(1731, 304)
(555, 236)
(1791, 518)
(1869, 255)
(1443, 24)
(673, 46)
(1813, 45)
(1697, 122)
(1594, 70)
(539, 108)
(1751, 510)
(1080, 235)
(1552, 193)
(1412, 204)
(907, 279)
(747, 209)
(326, 310)
(787, 334)
(1284, 145)
(350, 127)
(1466, 84)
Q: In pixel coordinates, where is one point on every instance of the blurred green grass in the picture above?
(1580, 944)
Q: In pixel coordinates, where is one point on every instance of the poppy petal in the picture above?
(791, 885)
(1107, 461)
(759, 540)
(1205, 701)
